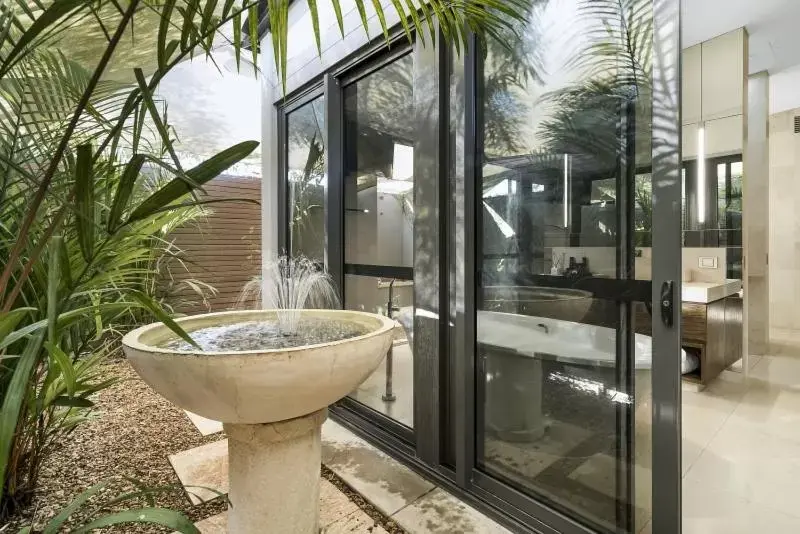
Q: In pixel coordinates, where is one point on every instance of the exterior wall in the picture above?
(784, 223)
(222, 249)
(303, 65)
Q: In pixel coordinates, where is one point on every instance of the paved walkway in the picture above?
(409, 500)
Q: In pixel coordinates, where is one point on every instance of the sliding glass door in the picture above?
(517, 209)
(565, 208)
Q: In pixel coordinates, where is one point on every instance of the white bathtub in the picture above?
(515, 346)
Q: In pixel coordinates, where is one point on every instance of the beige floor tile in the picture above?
(780, 370)
(772, 409)
(205, 426)
(203, 467)
(756, 466)
(381, 480)
(709, 510)
(373, 388)
(438, 512)
(703, 415)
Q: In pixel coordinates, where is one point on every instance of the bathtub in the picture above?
(514, 347)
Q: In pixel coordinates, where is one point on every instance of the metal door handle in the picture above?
(667, 302)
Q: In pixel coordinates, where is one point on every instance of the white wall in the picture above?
(784, 90)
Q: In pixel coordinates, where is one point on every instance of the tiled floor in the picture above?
(741, 448)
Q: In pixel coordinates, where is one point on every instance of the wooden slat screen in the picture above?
(222, 249)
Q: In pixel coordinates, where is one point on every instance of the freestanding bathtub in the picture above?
(515, 347)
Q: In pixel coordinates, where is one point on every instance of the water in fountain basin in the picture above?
(267, 335)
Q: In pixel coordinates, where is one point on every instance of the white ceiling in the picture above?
(773, 25)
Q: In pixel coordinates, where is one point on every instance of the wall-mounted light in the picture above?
(566, 190)
(701, 174)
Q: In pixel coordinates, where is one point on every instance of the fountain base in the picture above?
(274, 474)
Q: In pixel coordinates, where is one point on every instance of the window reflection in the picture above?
(306, 178)
(379, 223)
(567, 112)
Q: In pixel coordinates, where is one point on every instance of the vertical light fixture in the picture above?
(701, 174)
(566, 190)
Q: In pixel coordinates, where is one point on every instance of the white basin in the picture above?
(705, 292)
(258, 386)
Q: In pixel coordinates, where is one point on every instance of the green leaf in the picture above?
(15, 394)
(158, 516)
(63, 259)
(314, 11)
(398, 6)
(254, 44)
(9, 320)
(188, 22)
(53, 280)
(199, 175)
(84, 201)
(237, 37)
(163, 32)
(147, 302)
(382, 18)
(337, 9)
(72, 402)
(412, 10)
(60, 358)
(56, 523)
(208, 16)
(362, 12)
(124, 190)
(160, 126)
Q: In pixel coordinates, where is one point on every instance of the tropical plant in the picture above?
(82, 135)
(99, 507)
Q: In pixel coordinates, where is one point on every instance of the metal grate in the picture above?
(797, 124)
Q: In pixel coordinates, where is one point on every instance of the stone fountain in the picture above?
(269, 377)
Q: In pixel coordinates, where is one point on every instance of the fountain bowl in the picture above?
(258, 386)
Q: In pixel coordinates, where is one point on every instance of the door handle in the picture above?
(667, 302)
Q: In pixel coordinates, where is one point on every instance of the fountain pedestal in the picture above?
(274, 474)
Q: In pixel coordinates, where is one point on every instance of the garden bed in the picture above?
(132, 436)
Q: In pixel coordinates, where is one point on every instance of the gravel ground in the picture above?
(134, 433)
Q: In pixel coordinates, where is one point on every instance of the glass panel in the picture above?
(567, 195)
(390, 389)
(379, 222)
(307, 177)
(379, 162)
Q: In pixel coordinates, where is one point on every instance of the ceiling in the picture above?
(773, 25)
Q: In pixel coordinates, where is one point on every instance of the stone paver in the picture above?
(337, 515)
(383, 481)
(205, 426)
(203, 467)
(439, 512)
